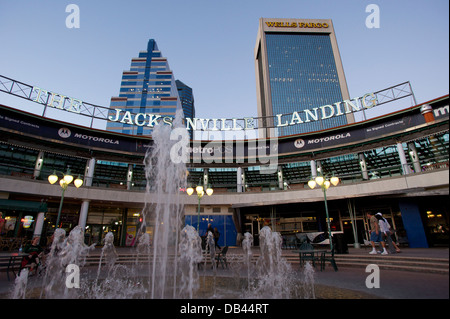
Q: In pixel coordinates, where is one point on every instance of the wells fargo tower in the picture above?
(298, 67)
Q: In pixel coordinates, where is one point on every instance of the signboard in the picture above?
(232, 151)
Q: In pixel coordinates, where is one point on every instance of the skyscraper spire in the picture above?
(148, 87)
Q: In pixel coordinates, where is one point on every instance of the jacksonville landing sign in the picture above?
(367, 101)
(324, 112)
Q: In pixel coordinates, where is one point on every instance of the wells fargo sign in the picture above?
(318, 25)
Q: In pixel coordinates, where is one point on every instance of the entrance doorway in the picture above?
(348, 230)
(252, 226)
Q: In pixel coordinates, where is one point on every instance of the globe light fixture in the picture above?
(334, 180)
(68, 178)
(312, 184)
(200, 192)
(199, 189)
(64, 183)
(78, 182)
(52, 179)
(319, 180)
(190, 191)
(324, 184)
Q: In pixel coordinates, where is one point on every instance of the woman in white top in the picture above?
(385, 228)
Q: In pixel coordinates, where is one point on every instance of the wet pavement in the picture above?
(350, 283)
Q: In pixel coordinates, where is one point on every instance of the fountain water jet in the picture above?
(166, 174)
(273, 272)
(190, 256)
(247, 244)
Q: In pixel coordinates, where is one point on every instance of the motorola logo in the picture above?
(299, 143)
(64, 132)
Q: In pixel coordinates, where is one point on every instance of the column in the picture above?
(89, 172)
(83, 213)
(401, 153)
(319, 167)
(88, 176)
(414, 157)
(313, 169)
(39, 225)
(38, 165)
(205, 178)
(280, 177)
(363, 165)
(412, 222)
(239, 180)
(129, 176)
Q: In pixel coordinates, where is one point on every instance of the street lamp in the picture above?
(64, 182)
(200, 193)
(325, 183)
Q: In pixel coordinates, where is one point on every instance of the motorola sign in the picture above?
(64, 132)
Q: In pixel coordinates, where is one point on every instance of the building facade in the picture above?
(148, 88)
(397, 164)
(298, 68)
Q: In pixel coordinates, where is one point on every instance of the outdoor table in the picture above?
(316, 255)
(9, 260)
(312, 254)
(323, 259)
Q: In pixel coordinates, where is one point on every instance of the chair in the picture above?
(309, 255)
(324, 259)
(222, 257)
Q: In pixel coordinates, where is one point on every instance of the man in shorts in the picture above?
(375, 234)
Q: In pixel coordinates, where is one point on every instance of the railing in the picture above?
(13, 243)
(20, 172)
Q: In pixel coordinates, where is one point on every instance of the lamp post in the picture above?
(200, 193)
(64, 182)
(325, 183)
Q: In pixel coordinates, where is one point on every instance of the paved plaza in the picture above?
(350, 282)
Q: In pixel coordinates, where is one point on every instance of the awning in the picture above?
(23, 205)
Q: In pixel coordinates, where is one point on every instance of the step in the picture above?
(394, 262)
(425, 269)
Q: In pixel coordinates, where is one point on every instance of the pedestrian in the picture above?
(2, 224)
(216, 237)
(210, 229)
(35, 253)
(375, 234)
(386, 230)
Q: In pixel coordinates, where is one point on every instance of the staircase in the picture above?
(426, 264)
(425, 260)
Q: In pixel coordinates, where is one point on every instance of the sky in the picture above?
(210, 45)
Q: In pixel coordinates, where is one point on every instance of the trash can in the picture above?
(340, 245)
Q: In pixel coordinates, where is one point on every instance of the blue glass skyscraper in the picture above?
(187, 100)
(149, 89)
(298, 67)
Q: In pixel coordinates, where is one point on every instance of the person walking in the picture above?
(375, 234)
(216, 237)
(387, 232)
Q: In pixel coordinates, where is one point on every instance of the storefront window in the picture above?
(437, 227)
(102, 220)
(133, 223)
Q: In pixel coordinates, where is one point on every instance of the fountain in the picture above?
(190, 257)
(247, 244)
(167, 256)
(273, 273)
